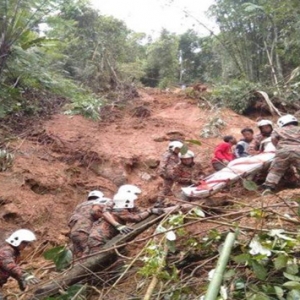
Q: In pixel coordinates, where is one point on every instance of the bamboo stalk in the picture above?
(155, 279)
(214, 286)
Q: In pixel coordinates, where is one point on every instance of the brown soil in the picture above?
(61, 160)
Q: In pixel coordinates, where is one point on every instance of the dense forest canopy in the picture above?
(70, 49)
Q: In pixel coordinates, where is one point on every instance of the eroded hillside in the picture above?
(58, 162)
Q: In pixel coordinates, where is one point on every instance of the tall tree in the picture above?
(200, 61)
(100, 49)
(18, 19)
(256, 35)
(162, 65)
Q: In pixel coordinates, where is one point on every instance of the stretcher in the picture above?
(238, 168)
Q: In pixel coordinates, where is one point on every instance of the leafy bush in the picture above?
(61, 256)
(86, 105)
(237, 95)
(164, 83)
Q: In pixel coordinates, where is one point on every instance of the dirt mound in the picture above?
(61, 160)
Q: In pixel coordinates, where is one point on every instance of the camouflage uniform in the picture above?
(188, 174)
(254, 148)
(103, 231)
(168, 162)
(9, 257)
(287, 153)
(255, 144)
(80, 224)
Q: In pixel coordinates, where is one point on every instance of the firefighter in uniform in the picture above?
(169, 160)
(9, 258)
(123, 212)
(287, 142)
(83, 218)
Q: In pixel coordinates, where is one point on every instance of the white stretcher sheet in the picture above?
(236, 169)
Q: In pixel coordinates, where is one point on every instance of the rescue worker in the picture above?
(169, 160)
(242, 147)
(83, 218)
(188, 172)
(223, 153)
(265, 128)
(123, 211)
(92, 197)
(286, 139)
(9, 258)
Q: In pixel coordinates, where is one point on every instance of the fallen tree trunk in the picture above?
(271, 106)
(92, 264)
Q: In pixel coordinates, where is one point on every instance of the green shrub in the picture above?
(237, 95)
(86, 105)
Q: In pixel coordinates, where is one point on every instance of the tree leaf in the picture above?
(242, 258)
(229, 274)
(259, 296)
(291, 277)
(292, 285)
(51, 254)
(60, 255)
(184, 149)
(198, 212)
(293, 295)
(249, 7)
(280, 262)
(292, 268)
(63, 259)
(279, 292)
(250, 185)
(259, 270)
(171, 246)
(195, 142)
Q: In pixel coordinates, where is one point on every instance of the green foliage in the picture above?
(78, 52)
(200, 62)
(257, 39)
(194, 142)
(85, 104)
(275, 272)
(184, 149)
(213, 126)
(61, 256)
(162, 66)
(100, 51)
(237, 95)
(250, 185)
(153, 259)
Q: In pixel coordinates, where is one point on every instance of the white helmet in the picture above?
(101, 201)
(284, 120)
(175, 144)
(124, 200)
(188, 154)
(129, 188)
(19, 236)
(264, 122)
(95, 195)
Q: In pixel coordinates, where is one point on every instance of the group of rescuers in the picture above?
(181, 168)
(99, 219)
